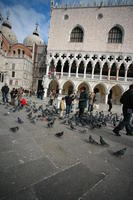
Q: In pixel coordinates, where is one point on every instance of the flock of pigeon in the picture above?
(93, 120)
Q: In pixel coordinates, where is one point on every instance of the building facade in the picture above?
(17, 60)
(90, 46)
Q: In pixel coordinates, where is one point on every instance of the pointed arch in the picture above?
(66, 67)
(122, 70)
(102, 90)
(105, 69)
(113, 69)
(97, 68)
(89, 68)
(52, 65)
(73, 67)
(77, 34)
(130, 71)
(68, 87)
(115, 35)
(117, 91)
(81, 68)
(58, 66)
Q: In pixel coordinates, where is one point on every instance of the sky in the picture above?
(24, 14)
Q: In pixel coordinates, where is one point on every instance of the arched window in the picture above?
(115, 35)
(77, 35)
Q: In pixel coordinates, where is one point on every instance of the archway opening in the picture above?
(81, 68)
(58, 66)
(66, 67)
(116, 94)
(97, 68)
(113, 70)
(100, 93)
(89, 68)
(53, 86)
(73, 67)
(52, 66)
(83, 85)
(105, 69)
(130, 71)
(122, 70)
(68, 88)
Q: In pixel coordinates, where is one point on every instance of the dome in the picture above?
(6, 29)
(32, 39)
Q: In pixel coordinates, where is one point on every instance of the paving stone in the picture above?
(15, 178)
(67, 185)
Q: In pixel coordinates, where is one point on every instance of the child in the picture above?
(62, 107)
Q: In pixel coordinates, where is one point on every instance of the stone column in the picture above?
(77, 72)
(85, 71)
(106, 98)
(69, 73)
(92, 75)
(109, 69)
(125, 78)
(47, 71)
(62, 70)
(60, 91)
(117, 74)
(101, 68)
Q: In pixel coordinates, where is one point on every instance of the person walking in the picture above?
(83, 101)
(91, 101)
(62, 107)
(13, 96)
(110, 101)
(127, 101)
(5, 91)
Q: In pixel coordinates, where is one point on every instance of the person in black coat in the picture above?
(127, 101)
(5, 91)
(110, 100)
(83, 101)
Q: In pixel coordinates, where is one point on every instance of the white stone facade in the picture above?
(94, 62)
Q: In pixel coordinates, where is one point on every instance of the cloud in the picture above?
(23, 21)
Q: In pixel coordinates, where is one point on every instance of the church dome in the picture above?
(32, 39)
(6, 29)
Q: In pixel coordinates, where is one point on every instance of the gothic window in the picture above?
(81, 68)
(73, 67)
(122, 70)
(59, 66)
(89, 68)
(113, 70)
(66, 67)
(77, 35)
(13, 74)
(115, 35)
(97, 68)
(105, 69)
(130, 71)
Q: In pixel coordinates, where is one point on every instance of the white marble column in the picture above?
(117, 74)
(109, 69)
(77, 72)
(92, 75)
(106, 98)
(85, 71)
(62, 70)
(125, 78)
(69, 73)
(101, 68)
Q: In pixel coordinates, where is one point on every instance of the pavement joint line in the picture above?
(94, 186)
(52, 162)
(44, 179)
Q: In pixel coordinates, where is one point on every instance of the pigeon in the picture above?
(102, 141)
(20, 121)
(120, 152)
(14, 129)
(72, 126)
(29, 114)
(6, 114)
(92, 141)
(59, 134)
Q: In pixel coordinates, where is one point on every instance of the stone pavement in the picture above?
(36, 165)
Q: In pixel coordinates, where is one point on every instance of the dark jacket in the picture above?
(68, 100)
(5, 89)
(83, 99)
(127, 99)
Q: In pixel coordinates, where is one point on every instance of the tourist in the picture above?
(127, 101)
(5, 91)
(13, 96)
(68, 100)
(19, 95)
(91, 101)
(62, 107)
(110, 101)
(82, 101)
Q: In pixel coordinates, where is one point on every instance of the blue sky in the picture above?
(25, 13)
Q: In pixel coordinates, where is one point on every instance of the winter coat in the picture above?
(92, 98)
(5, 89)
(127, 99)
(83, 99)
